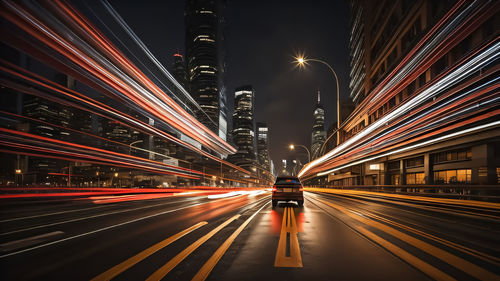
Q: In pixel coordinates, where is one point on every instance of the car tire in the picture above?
(275, 203)
(301, 203)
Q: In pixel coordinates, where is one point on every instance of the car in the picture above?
(287, 189)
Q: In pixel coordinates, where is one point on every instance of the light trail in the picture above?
(449, 136)
(170, 112)
(100, 109)
(483, 58)
(63, 38)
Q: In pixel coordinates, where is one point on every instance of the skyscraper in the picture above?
(262, 145)
(203, 43)
(243, 126)
(179, 70)
(318, 132)
(57, 119)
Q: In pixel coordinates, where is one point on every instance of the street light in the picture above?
(302, 62)
(131, 146)
(292, 147)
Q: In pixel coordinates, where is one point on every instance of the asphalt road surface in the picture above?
(333, 237)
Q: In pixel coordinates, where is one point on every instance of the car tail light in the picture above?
(274, 188)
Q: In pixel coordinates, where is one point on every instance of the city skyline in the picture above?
(275, 76)
(249, 140)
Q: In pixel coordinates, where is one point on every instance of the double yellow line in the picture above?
(171, 264)
(457, 262)
(288, 252)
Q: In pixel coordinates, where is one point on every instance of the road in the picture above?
(346, 236)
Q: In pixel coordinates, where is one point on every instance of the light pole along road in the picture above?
(292, 147)
(302, 61)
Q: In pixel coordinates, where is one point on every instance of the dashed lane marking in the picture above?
(214, 259)
(119, 268)
(166, 268)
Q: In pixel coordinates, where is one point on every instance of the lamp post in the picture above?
(19, 172)
(131, 146)
(292, 147)
(302, 61)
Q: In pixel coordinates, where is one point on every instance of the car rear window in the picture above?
(287, 181)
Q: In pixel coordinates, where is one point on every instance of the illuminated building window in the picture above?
(452, 176)
(415, 178)
(395, 179)
(498, 175)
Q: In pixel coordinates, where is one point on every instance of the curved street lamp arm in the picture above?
(331, 69)
(308, 153)
(338, 94)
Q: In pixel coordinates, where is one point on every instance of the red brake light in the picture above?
(274, 188)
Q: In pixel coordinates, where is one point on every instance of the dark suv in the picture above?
(287, 189)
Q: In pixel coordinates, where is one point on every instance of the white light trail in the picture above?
(432, 141)
(479, 61)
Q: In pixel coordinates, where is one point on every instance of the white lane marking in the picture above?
(99, 230)
(51, 214)
(89, 217)
(108, 227)
(236, 193)
(14, 245)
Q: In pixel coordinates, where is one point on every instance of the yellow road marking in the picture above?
(166, 268)
(431, 208)
(472, 203)
(119, 268)
(288, 228)
(459, 263)
(428, 269)
(472, 252)
(214, 259)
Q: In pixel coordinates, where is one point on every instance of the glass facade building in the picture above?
(204, 66)
(244, 126)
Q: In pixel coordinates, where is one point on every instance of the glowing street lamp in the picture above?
(292, 147)
(302, 62)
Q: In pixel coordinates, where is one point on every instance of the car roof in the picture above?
(287, 178)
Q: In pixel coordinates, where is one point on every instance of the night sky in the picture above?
(261, 39)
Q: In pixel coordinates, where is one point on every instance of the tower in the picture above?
(318, 131)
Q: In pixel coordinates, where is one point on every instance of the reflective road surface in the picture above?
(344, 236)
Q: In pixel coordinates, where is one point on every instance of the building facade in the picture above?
(204, 67)
(423, 84)
(244, 126)
(318, 135)
(263, 145)
(179, 71)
